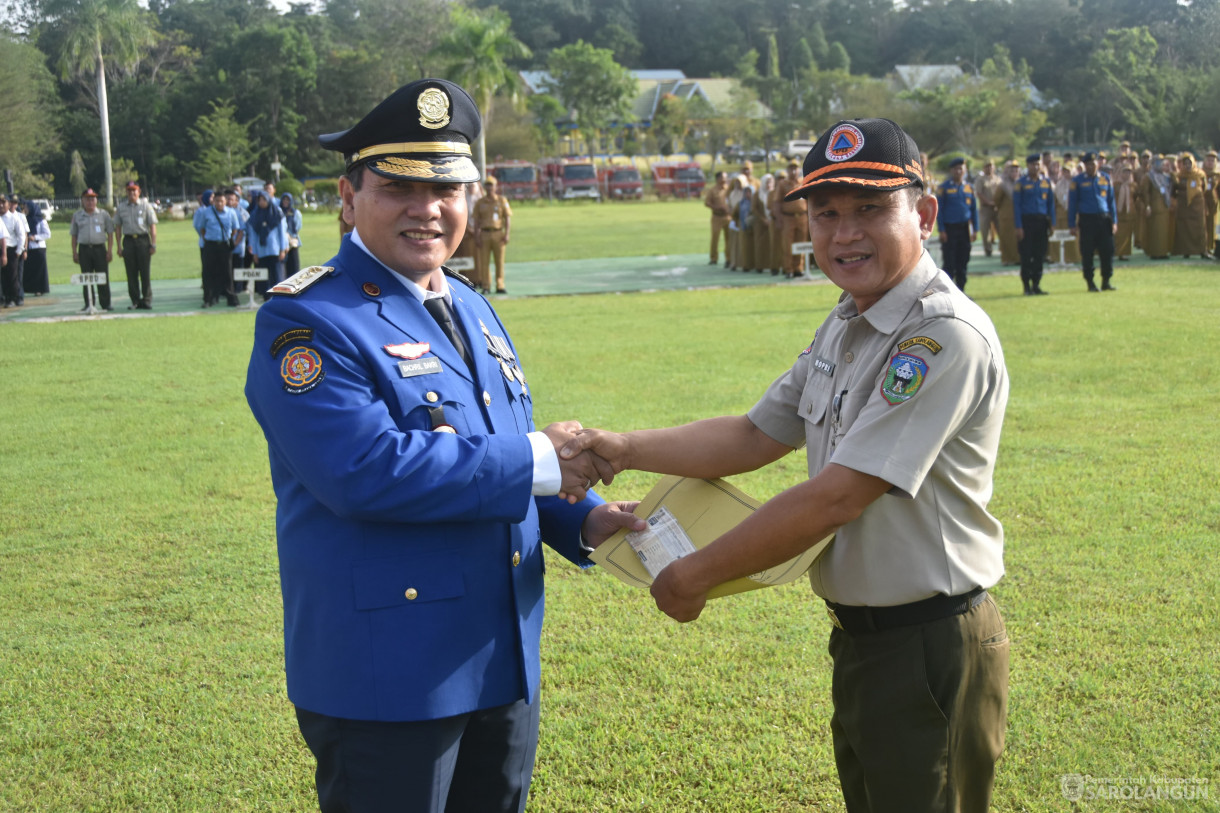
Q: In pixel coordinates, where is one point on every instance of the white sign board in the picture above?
(802, 248)
(461, 263)
(249, 273)
(89, 278)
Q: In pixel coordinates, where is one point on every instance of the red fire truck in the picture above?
(622, 183)
(677, 179)
(518, 180)
(569, 178)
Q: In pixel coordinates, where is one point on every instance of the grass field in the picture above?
(541, 230)
(140, 650)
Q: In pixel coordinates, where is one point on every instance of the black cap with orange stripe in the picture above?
(864, 153)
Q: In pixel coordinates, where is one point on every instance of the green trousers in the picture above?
(919, 713)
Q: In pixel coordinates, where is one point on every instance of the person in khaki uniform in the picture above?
(1006, 226)
(899, 400)
(492, 219)
(760, 213)
(716, 198)
(135, 233)
(1190, 209)
(1141, 172)
(1212, 174)
(1127, 206)
(1063, 188)
(985, 186)
(1156, 193)
(92, 233)
(775, 203)
(795, 227)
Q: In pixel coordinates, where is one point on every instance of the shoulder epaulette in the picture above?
(301, 280)
(449, 272)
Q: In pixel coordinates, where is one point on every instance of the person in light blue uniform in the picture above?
(414, 493)
(1093, 218)
(957, 221)
(1033, 209)
(267, 239)
(217, 226)
(292, 222)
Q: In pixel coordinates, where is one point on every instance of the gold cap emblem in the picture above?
(433, 107)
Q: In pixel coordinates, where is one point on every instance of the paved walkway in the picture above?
(561, 277)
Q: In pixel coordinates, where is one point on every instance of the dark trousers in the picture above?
(138, 260)
(479, 762)
(1033, 249)
(1096, 236)
(217, 273)
(93, 260)
(292, 262)
(955, 252)
(10, 278)
(275, 274)
(919, 713)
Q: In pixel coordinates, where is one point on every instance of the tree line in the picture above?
(185, 93)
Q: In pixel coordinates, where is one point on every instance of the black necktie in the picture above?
(444, 317)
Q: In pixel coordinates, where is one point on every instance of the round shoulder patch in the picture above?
(845, 141)
(301, 370)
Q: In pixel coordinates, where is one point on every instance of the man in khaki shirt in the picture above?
(795, 228)
(899, 399)
(92, 233)
(492, 217)
(135, 228)
(716, 198)
(985, 186)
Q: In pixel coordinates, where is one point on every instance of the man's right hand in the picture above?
(609, 447)
(581, 470)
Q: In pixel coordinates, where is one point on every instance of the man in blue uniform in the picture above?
(957, 221)
(1093, 219)
(414, 494)
(1034, 212)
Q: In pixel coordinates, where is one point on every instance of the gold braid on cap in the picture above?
(418, 169)
(412, 147)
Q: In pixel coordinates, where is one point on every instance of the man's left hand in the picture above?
(605, 520)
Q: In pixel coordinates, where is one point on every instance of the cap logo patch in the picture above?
(845, 141)
(433, 107)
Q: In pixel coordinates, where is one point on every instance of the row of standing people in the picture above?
(95, 234)
(1163, 205)
(758, 226)
(23, 251)
(237, 232)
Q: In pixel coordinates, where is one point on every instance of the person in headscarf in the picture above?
(1190, 211)
(267, 238)
(292, 221)
(1156, 192)
(762, 224)
(37, 280)
(1126, 206)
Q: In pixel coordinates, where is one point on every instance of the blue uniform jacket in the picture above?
(956, 205)
(1091, 196)
(1033, 196)
(411, 563)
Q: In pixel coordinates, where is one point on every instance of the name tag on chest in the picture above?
(409, 369)
(822, 365)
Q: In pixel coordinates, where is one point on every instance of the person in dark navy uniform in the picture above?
(414, 494)
(1034, 213)
(957, 221)
(1094, 220)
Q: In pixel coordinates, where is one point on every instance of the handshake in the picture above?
(586, 457)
